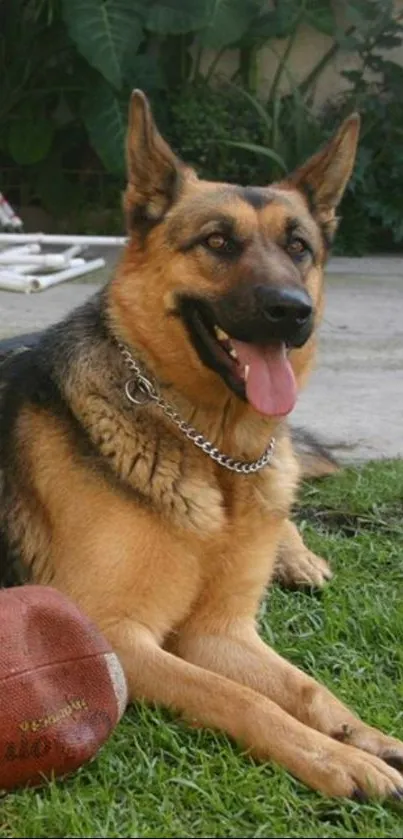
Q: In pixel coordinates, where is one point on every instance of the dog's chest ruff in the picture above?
(139, 390)
(173, 477)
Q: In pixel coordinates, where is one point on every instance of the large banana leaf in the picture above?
(320, 15)
(176, 17)
(105, 118)
(105, 32)
(228, 22)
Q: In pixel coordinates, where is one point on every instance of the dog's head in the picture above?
(221, 285)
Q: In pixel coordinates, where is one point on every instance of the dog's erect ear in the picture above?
(324, 177)
(153, 170)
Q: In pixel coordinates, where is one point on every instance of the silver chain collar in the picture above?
(139, 390)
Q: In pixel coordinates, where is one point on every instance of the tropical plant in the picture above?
(68, 66)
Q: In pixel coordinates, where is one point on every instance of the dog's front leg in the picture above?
(240, 654)
(253, 720)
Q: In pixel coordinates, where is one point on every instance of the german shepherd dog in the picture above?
(147, 469)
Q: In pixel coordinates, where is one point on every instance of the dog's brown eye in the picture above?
(223, 245)
(297, 247)
(216, 241)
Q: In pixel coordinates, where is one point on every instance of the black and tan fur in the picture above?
(168, 552)
(296, 565)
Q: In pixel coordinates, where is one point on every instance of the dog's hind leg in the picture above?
(253, 720)
(314, 457)
(297, 566)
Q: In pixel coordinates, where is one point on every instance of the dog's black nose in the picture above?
(287, 311)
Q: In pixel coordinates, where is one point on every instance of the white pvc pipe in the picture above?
(28, 269)
(15, 281)
(48, 260)
(11, 281)
(51, 239)
(33, 248)
(23, 269)
(26, 265)
(71, 252)
(40, 283)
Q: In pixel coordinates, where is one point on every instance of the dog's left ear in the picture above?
(324, 177)
(153, 170)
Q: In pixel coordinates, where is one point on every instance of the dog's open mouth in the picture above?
(259, 374)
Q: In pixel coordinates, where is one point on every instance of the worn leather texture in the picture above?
(62, 690)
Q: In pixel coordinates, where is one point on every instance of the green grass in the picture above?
(156, 778)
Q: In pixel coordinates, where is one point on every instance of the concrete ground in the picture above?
(354, 401)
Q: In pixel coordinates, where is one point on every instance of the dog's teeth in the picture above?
(221, 335)
(233, 354)
(246, 372)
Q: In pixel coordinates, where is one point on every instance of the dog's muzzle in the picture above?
(267, 314)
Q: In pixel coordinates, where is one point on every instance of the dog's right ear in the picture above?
(324, 177)
(154, 172)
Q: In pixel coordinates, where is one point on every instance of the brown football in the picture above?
(62, 689)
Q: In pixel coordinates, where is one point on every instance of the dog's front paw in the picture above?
(373, 741)
(301, 569)
(355, 774)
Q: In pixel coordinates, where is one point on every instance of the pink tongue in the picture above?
(270, 387)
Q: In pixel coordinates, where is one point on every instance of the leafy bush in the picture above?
(199, 121)
(68, 67)
(372, 217)
(372, 208)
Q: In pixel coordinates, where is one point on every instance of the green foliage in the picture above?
(199, 121)
(175, 17)
(105, 33)
(105, 120)
(30, 136)
(372, 208)
(68, 66)
(291, 131)
(229, 21)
